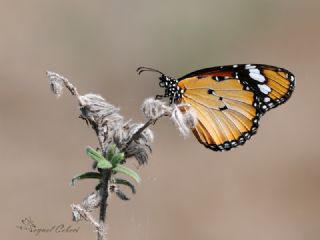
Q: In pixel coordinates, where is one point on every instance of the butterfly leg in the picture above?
(158, 97)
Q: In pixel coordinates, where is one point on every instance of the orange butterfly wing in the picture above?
(230, 100)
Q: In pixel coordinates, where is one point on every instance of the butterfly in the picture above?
(228, 100)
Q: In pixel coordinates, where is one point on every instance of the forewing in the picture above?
(272, 85)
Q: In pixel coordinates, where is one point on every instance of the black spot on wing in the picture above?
(223, 108)
(210, 91)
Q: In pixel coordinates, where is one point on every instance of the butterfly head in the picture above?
(172, 89)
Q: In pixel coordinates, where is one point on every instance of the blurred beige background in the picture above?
(267, 189)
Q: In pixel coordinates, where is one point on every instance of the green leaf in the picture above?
(114, 155)
(129, 172)
(125, 182)
(111, 151)
(94, 155)
(104, 164)
(117, 158)
(87, 175)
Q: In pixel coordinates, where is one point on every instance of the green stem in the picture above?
(106, 174)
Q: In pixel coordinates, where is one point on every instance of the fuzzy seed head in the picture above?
(184, 118)
(92, 201)
(55, 83)
(153, 108)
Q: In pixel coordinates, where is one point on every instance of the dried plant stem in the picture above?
(87, 216)
(66, 82)
(137, 134)
(70, 87)
(102, 234)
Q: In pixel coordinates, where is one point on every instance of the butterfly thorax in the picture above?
(172, 89)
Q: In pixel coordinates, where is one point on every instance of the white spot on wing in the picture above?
(254, 70)
(249, 66)
(292, 78)
(257, 77)
(264, 88)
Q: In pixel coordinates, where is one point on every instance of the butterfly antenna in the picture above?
(146, 69)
